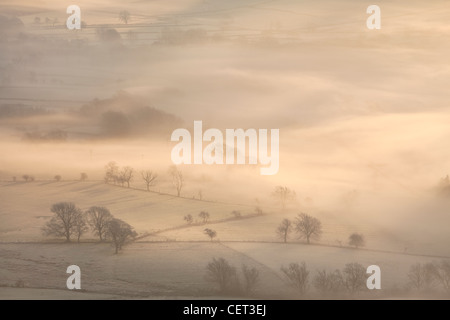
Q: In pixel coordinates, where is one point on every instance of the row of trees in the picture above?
(83, 177)
(203, 215)
(125, 175)
(69, 220)
(351, 279)
(307, 227)
(30, 178)
(226, 277)
(117, 175)
(310, 228)
(427, 276)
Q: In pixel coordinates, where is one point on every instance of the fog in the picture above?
(363, 114)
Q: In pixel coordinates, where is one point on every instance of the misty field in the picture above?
(145, 270)
(86, 124)
(172, 263)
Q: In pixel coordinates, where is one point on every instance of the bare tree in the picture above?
(124, 16)
(64, 221)
(111, 172)
(308, 227)
(356, 240)
(81, 226)
(58, 178)
(222, 273)
(442, 274)
(149, 178)
(126, 175)
(188, 218)
(422, 276)
(83, 176)
(177, 179)
(297, 275)
(120, 233)
(26, 177)
(354, 277)
(251, 279)
(204, 216)
(284, 195)
(284, 229)
(211, 233)
(98, 218)
(328, 282)
(31, 178)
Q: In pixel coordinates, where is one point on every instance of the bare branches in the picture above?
(308, 227)
(297, 275)
(284, 229)
(149, 178)
(120, 232)
(65, 220)
(177, 179)
(98, 218)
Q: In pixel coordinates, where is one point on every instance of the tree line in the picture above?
(125, 175)
(350, 280)
(70, 221)
(310, 228)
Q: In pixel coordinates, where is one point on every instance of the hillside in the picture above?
(26, 207)
(170, 262)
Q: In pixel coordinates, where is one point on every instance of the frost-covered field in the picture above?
(142, 270)
(26, 207)
(172, 263)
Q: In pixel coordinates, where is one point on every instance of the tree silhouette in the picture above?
(177, 179)
(308, 227)
(354, 277)
(284, 229)
(204, 215)
(211, 233)
(120, 232)
(356, 240)
(149, 178)
(297, 275)
(221, 272)
(98, 218)
(65, 220)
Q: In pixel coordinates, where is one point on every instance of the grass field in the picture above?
(168, 264)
